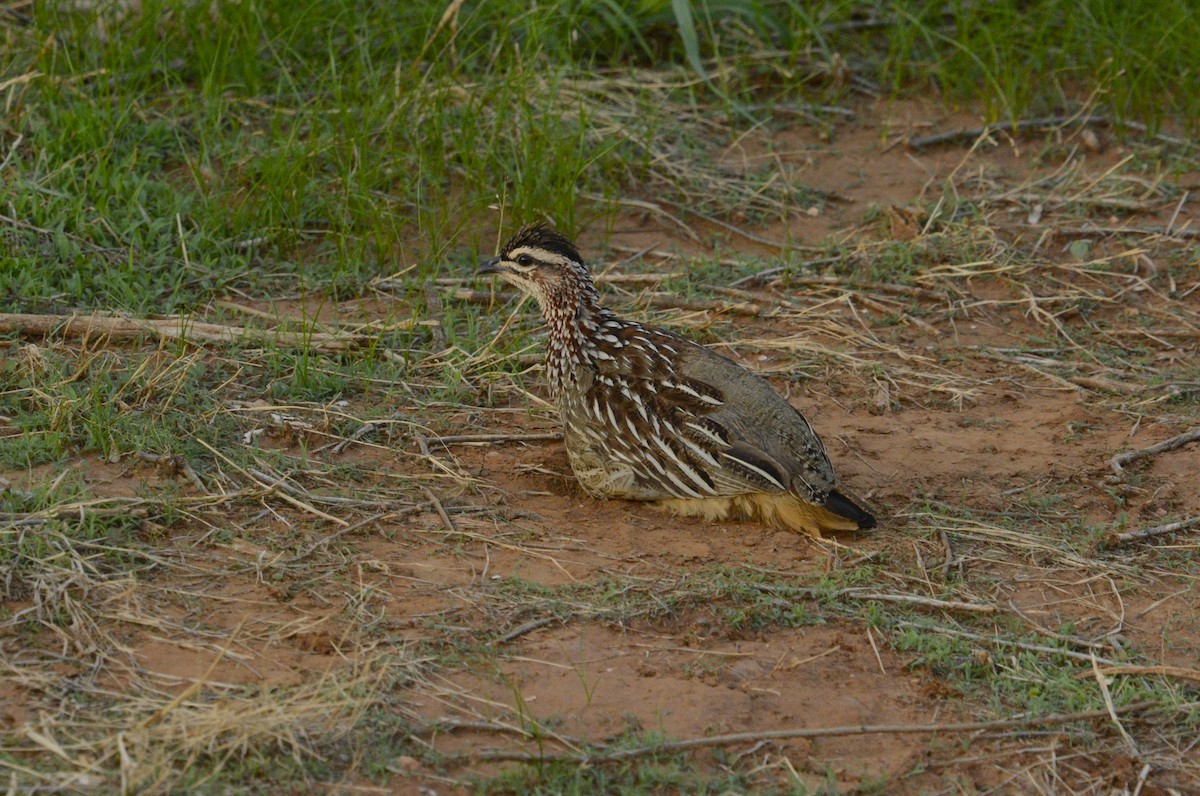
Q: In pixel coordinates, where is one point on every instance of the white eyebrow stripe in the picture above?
(541, 255)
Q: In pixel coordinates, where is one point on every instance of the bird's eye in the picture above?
(525, 259)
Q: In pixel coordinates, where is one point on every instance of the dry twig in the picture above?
(1157, 530)
(1163, 671)
(478, 439)
(1119, 461)
(1021, 126)
(673, 747)
(1021, 645)
(173, 328)
(440, 509)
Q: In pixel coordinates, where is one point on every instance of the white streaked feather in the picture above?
(682, 486)
(707, 432)
(770, 478)
(701, 452)
(683, 466)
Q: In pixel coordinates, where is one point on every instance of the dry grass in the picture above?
(367, 553)
(146, 739)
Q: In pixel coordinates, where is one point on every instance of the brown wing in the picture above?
(672, 429)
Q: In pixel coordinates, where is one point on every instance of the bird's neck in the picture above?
(573, 314)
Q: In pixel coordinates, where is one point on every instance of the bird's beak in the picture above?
(491, 266)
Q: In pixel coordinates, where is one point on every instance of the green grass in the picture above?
(154, 159)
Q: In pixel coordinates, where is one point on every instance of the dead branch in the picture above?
(843, 284)
(76, 514)
(300, 498)
(928, 602)
(329, 538)
(1119, 461)
(751, 280)
(1165, 671)
(528, 627)
(1021, 126)
(671, 301)
(887, 597)
(173, 328)
(673, 747)
(1157, 530)
(440, 509)
(1021, 645)
(461, 439)
(177, 463)
(1089, 229)
(1101, 384)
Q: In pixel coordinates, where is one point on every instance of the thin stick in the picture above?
(1175, 216)
(370, 427)
(908, 599)
(1089, 229)
(528, 627)
(196, 685)
(851, 287)
(1157, 530)
(930, 602)
(672, 302)
(469, 438)
(753, 279)
(1008, 642)
(1080, 642)
(672, 747)
(76, 514)
(440, 509)
(175, 462)
(1119, 461)
(272, 486)
(288, 493)
(1165, 671)
(1112, 710)
(328, 538)
(433, 305)
(875, 649)
(172, 328)
(736, 230)
(1022, 126)
(949, 562)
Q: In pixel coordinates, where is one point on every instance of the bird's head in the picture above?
(542, 262)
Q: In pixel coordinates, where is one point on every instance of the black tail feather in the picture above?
(850, 508)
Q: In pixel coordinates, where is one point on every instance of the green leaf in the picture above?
(687, 31)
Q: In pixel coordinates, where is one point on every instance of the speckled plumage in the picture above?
(649, 415)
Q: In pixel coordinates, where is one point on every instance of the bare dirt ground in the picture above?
(975, 393)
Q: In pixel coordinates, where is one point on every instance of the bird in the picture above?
(649, 415)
